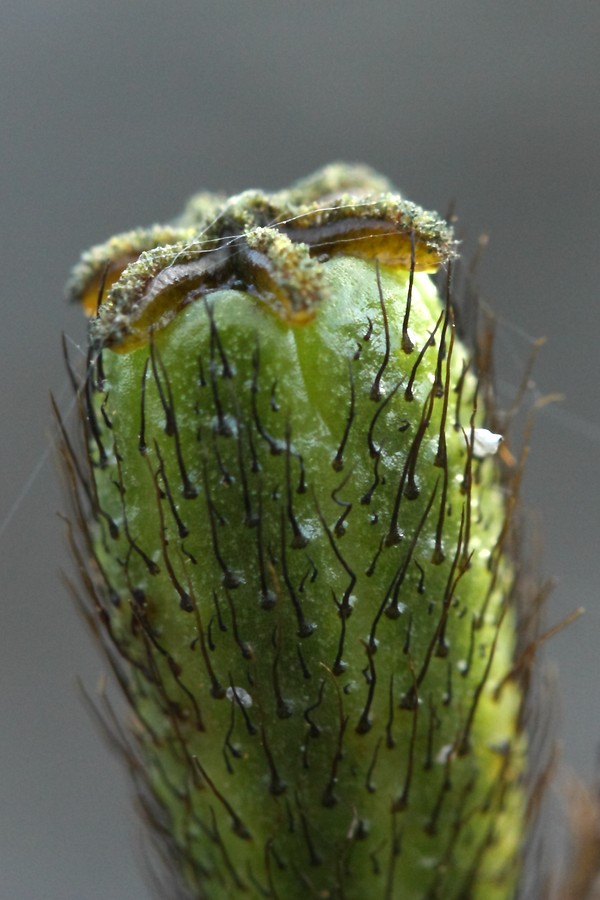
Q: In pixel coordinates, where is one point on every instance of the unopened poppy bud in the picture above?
(296, 532)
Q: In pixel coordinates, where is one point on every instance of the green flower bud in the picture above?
(297, 535)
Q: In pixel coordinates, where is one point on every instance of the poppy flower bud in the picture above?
(296, 534)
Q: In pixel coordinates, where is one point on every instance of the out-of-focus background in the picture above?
(111, 114)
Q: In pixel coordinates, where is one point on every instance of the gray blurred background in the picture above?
(111, 114)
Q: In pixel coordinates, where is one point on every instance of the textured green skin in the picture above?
(425, 803)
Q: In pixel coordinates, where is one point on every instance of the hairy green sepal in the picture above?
(309, 596)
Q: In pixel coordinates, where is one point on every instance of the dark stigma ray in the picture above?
(430, 342)
(339, 666)
(407, 344)
(90, 412)
(305, 670)
(406, 644)
(215, 838)
(314, 858)
(245, 648)
(448, 323)
(469, 660)
(268, 598)
(104, 413)
(222, 626)
(369, 785)
(227, 479)
(374, 450)
(182, 529)
(152, 567)
(251, 728)
(364, 723)
(339, 529)
(230, 578)
(217, 691)
(305, 629)
(431, 826)
(273, 399)
(410, 698)
(251, 518)
(393, 611)
(402, 801)
(390, 741)
(395, 534)
(466, 487)
(441, 456)
(434, 722)
(277, 785)
(283, 708)
(313, 729)
(345, 607)
(169, 426)
(411, 489)
(375, 393)
(222, 427)
(228, 746)
(237, 825)
(185, 601)
(438, 556)
(142, 446)
(368, 496)
(189, 491)
(215, 342)
(338, 460)
(276, 447)
(299, 539)
(395, 851)
(328, 797)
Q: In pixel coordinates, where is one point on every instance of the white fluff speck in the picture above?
(444, 754)
(485, 442)
(239, 695)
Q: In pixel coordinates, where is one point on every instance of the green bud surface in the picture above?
(295, 543)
